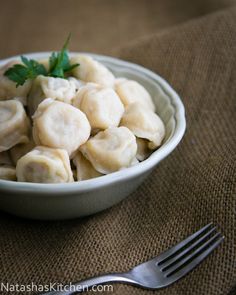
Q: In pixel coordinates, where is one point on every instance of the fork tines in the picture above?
(186, 255)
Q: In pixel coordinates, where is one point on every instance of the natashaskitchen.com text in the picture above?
(58, 287)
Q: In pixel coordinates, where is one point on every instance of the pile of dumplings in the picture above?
(55, 130)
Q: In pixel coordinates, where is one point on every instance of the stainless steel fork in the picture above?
(163, 270)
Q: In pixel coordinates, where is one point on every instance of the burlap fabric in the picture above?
(193, 186)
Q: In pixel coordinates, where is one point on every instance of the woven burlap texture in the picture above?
(193, 186)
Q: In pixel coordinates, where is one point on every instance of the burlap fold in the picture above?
(193, 186)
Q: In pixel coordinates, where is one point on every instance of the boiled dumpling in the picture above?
(78, 83)
(55, 88)
(143, 151)
(144, 123)
(84, 168)
(7, 171)
(8, 89)
(21, 149)
(44, 165)
(14, 124)
(60, 125)
(111, 150)
(89, 70)
(131, 91)
(101, 105)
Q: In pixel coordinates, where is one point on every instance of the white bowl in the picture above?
(71, 200)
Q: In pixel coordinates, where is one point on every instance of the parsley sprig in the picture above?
(59, 65)
(59, 62)
(30, 69)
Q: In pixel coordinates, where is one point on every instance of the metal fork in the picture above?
(163, 270)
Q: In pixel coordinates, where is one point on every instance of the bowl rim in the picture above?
(119, 176)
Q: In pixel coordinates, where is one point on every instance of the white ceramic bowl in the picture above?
(71, 200)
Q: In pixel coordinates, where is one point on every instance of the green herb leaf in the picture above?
(59, 64)
(29, 70)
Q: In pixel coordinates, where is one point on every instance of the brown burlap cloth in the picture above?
(193, 186)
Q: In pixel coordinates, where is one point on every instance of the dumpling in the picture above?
(90, 70)
(143, 151)
(78, 83)
(45, 87)
(14, 124)
(60, 125)
(111, 150)
(8, 89)
(101, 105)
(21, 149)
(84, 168)
(144, 123)
(7, 171)
(44, 165)
(131, 91)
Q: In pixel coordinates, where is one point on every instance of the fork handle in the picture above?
(88, 283)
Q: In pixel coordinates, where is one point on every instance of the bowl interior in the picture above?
(168, 105)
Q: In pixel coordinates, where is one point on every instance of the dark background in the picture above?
(100, 26)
